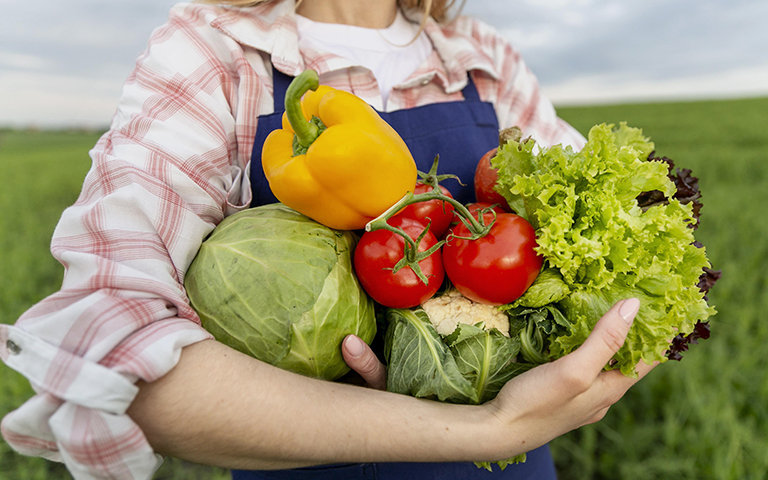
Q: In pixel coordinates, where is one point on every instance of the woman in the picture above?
(121, 365)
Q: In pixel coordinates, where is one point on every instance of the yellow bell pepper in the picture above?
(335, 160)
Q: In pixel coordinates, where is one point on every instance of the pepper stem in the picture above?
(306, 131)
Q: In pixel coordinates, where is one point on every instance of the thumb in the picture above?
(361, 359)
(608, 336)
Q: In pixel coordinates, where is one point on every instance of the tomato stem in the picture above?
(411, 254)
(432, 179)
(475, 226)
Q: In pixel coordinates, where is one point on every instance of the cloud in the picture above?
(66, 62)
(612, 88)
(640, 48)
(20, 61)
(81, 36)
(50, 100)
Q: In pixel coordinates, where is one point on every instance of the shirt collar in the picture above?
(271, 28)
(460, 53)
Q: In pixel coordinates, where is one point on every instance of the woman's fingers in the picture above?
(580, 375)
(615, 381)
(606, 338)
(362, 360)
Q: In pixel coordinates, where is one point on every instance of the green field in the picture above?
(703, 418)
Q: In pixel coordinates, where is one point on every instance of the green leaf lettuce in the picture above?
(591, 231)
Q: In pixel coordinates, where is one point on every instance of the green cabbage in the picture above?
(280, 287)
(600, 246)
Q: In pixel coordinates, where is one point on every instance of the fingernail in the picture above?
(354, 345)
(628, 309)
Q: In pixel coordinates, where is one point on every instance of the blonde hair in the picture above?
(437, 9)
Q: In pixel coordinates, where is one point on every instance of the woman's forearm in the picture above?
(220, 407)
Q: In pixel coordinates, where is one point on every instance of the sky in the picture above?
(62, 64)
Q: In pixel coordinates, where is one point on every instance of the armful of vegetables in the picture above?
(590, 228)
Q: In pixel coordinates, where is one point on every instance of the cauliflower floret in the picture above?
(447, 311)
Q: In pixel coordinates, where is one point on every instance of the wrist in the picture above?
(503, 436)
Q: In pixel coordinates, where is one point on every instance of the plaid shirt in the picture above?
(173, 164)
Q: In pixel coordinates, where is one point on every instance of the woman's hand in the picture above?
(557, 397)
(361, 359)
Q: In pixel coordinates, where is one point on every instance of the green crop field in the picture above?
(703, 418)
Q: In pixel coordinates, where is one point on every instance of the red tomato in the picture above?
(378, 252)
(497, 268)
(485, 181)
(435, 212)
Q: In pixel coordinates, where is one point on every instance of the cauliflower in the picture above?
(447, 311)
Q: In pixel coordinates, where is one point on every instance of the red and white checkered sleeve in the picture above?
(518, 99)
(169, 169)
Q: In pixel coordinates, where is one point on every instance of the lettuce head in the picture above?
(601, 246)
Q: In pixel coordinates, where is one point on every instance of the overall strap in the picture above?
(280, 82)
(470, 91)
(460, 131)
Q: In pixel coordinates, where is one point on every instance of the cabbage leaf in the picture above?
(468, 366)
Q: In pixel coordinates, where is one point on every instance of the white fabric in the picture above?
(391, 53)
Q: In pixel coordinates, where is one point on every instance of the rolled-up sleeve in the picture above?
(515, 92)
(172, 165)
(522, 103)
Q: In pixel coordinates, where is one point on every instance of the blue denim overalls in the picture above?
(460, 132)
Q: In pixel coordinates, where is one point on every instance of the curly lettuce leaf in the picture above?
(502, 464)
(605, 247)
(548, 288)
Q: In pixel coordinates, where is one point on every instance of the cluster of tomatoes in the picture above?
(494, 267)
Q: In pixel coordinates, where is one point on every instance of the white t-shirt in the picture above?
(390, 53)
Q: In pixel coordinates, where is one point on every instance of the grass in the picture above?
(702, 418)
(42, 173)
